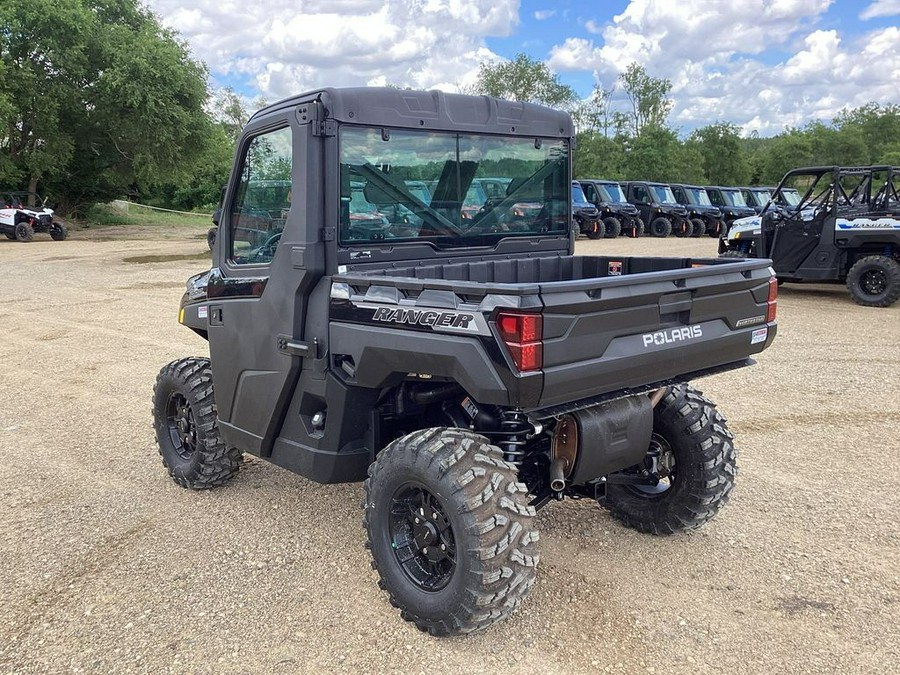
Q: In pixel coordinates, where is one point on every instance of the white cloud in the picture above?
(880, 8)
(283, 47)
(711, 53)
(544, 14)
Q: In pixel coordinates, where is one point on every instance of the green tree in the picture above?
(648, 96)
(878, 127)
(230, 111)
(597, 156)
(524, 79)
(721, 154)
(96, 99)
(593, 115)
(653, 155)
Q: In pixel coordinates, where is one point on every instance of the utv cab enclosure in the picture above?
(617, 214)
(658, 208)
(845, 228)
(704, 217)
(731, 201)
(468, 368)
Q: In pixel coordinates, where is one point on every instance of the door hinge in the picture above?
(327, 234)
(326, 127)
(292, 347)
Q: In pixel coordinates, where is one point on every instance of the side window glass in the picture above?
(715, 198)
(589, 192)
(262, 199)
(679, 196)
(640, 194)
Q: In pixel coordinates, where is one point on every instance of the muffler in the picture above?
(600, 440)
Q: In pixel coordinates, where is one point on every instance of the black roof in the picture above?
(385, 106)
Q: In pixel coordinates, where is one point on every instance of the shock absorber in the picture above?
(514, 430)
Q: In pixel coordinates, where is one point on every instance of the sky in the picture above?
(763, 65)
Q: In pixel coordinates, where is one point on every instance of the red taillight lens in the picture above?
(522, 333)
(772, 300)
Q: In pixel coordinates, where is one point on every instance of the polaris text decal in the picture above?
(666, 337)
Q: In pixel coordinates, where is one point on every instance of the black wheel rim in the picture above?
(873, 282)
(659, 462)
(422, 537)
(182, 429)
(21, 230)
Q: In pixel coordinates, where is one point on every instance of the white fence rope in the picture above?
(118, 202)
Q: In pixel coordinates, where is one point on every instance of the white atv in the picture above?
(19, 222)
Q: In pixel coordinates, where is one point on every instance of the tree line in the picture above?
(98, 100)
(635, 140)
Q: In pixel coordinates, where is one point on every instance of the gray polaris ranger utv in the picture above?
(465, 365)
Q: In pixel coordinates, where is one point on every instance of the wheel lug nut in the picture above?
(434, 516)
(425, 551)
(417, 520)
(443, 547)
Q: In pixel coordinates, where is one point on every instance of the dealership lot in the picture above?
(108, 566)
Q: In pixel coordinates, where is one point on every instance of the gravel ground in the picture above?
(108, 566)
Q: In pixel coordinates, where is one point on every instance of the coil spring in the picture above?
(514, 427)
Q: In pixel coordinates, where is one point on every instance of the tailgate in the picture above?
(607, 334)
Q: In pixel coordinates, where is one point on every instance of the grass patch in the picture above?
(106, 215)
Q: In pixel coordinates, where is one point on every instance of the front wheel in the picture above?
(874, 281)
(187, 426)
(595, 230)
(450, 530)
(661, 227)
(698, 227)
(58, 232)
(692, 455)
(612, 226)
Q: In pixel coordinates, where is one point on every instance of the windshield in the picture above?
(759, 197)
(433, 185)
(791, 196)
(663, 194)
(578, 194)
(611, 192)
(733, 198)
(697, 196)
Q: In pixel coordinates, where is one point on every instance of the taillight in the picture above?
(522, 333)
(772, 300)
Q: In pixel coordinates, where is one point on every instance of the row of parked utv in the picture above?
(607, 208)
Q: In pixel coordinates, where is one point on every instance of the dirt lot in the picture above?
(108, 566)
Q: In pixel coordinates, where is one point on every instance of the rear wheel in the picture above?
(595, 230)
(715, 229)
(187, 426)
(58, 232)
(612, 227)
(24, 232)
(661, 227)
(450, 530)
(732, 254)
(692, 455)
(10, 235)
(874, 281)
(639, 228)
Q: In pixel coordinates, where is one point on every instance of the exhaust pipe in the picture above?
(557, 474)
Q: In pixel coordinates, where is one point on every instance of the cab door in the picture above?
(255, 312)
